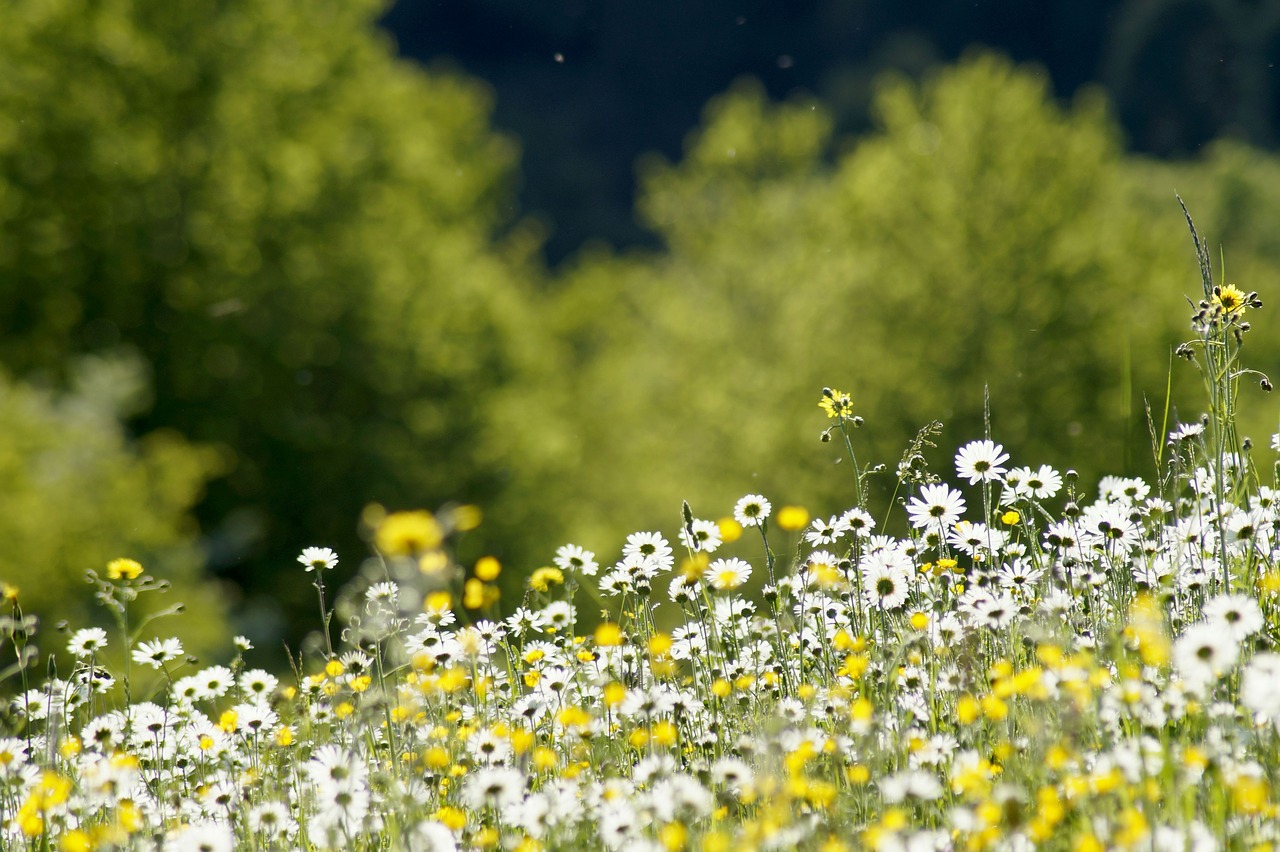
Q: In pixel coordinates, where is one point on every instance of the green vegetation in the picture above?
(77, 492)
(983, 240)
(313, 249)
(307, 240)
(1031, 665)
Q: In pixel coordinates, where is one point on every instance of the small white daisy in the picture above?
(885, 579)
(87, 642)
(318, 558)
(728, 573)
(705, 538)
(1186, 431)
(1260, 686)
(570, 557)
(752, 510)
(979, 461)
(1204, 653)
(938, 507)
(157, 653)
(1238, 615)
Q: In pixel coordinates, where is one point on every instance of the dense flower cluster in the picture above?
(1081, 675)
(1007, 663)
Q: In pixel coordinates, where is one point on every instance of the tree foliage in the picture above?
(310, 241)
(982, 241)
(77, 492)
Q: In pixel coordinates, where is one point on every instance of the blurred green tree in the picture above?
(310, 241)
(77, 492)
(984, 238)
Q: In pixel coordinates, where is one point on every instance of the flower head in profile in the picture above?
(752, 510)
(980, 461)
(318, 558)
(123, 569)
(1185, 432)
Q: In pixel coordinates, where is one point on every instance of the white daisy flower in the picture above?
(1041, 483)
(1238, 615)
(570, 557)
(272, 819)
(938, 507)
(856, 521)
(497, 787)
(1260, 686)
(726, 574)
(208, 836)
(979, 461)
(214, 682)
(886, 579)
(706, 537)
(910, 784)
(318, 559)
(87, 642)
(258, 683)
(1186, 431)
(157, 653)
(651, 546)
(1204, 654)
(752, 510)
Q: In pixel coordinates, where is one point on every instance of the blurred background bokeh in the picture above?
(265, 263)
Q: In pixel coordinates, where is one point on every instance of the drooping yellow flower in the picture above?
(544, 578)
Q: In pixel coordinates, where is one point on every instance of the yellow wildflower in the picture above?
(407, 533)
(123, 569)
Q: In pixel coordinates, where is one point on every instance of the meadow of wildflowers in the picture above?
(1029, 663)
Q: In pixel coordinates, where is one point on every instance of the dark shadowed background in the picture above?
(590, 87)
